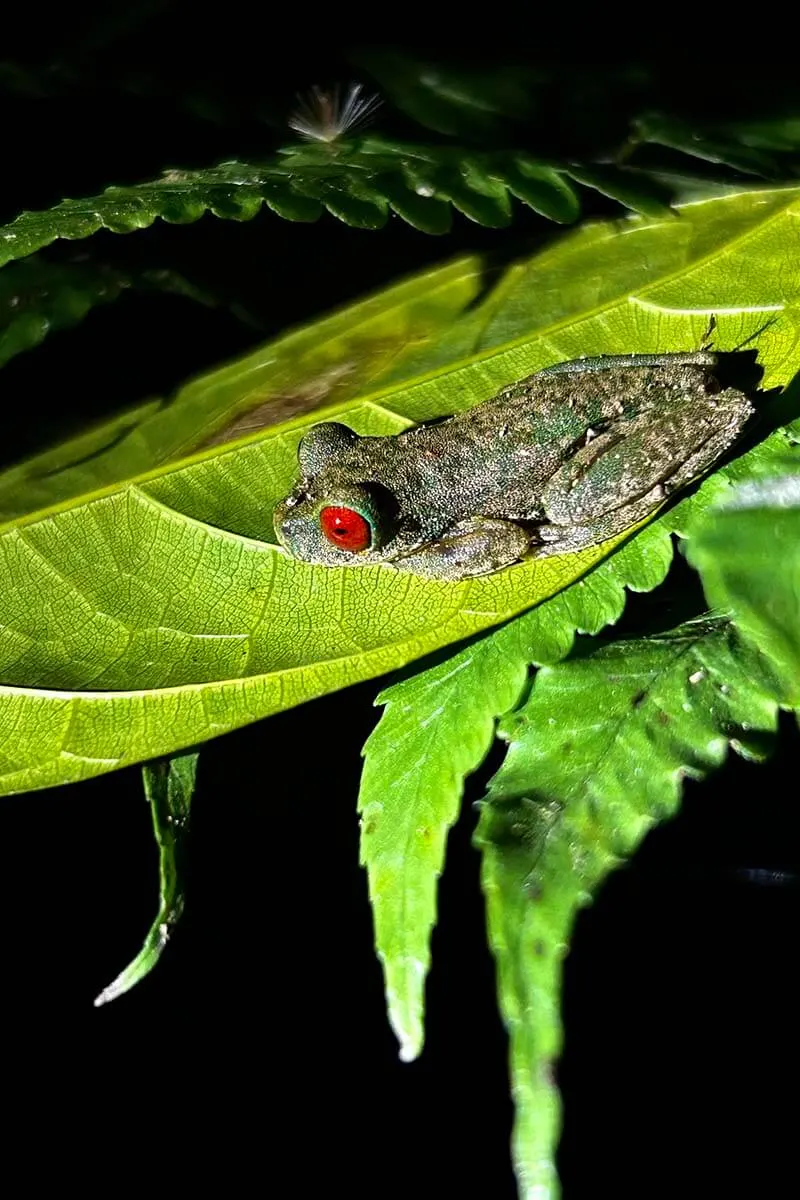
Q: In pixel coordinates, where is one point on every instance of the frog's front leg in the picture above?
(477, 546)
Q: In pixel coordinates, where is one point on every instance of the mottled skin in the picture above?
(564, 459)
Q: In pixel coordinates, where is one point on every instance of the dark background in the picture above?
(258, 1053)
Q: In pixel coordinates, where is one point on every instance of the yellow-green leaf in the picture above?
(155, 613)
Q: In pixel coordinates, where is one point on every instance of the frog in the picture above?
(568, 457)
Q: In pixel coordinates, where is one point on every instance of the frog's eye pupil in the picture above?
(345, 528)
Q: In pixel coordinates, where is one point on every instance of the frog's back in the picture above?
(494, 459)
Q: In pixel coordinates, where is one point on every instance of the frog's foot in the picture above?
(478, 546)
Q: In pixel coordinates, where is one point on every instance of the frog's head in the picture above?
(333, 517)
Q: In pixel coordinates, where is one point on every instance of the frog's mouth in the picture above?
(283, 523)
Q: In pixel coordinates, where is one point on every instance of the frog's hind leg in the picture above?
(607, 523)
(612, 471)
(706, 454)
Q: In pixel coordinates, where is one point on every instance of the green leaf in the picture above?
(169, 787)
(542, 188)
(359, 181)
(436, 728)
(631, 188)
(433, 732)
(596, 756)
(723, 144)
(459, 102)
(748, 553)
(343, 355)
(450, 337)
(151, 616)
(132, 630)
(39, 297)
(438, 725)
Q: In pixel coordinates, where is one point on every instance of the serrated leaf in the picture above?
(433, 732)
(438, 726)
(356, 181)
(299, 185)
(542, 188)
(748, 554)
(169, 788)
(596, 756)
(460, 333)
(473, 191)
(633, 189)
(415, 205)
(142, 619)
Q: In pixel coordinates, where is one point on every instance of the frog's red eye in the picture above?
(345, 528)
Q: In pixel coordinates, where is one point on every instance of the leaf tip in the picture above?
(406, 1023)
(409, 1049)
(404, 1001)
(116, 988)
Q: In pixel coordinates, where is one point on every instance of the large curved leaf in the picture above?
(132, 630)
(344, 355)
(455, 335)
(146, 618)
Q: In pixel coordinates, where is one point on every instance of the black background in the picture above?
(258, 1053)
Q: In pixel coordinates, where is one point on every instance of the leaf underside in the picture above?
(154, 613)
